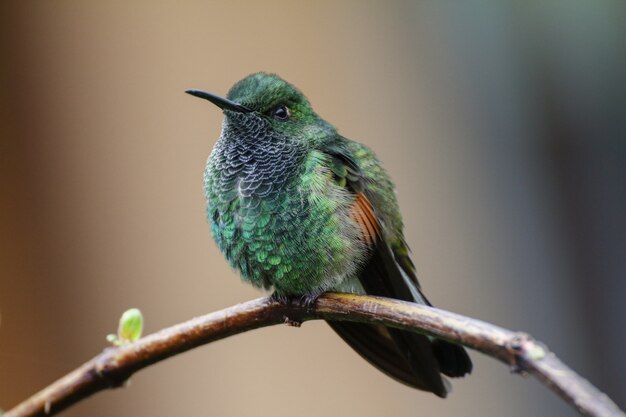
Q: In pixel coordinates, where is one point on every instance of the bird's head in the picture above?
(264, 107)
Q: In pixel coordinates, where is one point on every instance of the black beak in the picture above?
(220, 102)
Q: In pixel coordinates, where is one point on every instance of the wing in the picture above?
(410, 358)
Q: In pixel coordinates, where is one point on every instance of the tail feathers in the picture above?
(406, 357)
(453, 359)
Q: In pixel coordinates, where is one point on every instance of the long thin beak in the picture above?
(220, 102)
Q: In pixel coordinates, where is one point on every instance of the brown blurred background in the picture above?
(502, 123)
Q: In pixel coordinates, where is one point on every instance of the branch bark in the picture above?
(518, 350)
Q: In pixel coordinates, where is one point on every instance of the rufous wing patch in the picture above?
(363, 213)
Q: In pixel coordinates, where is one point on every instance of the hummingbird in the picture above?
(299, 209)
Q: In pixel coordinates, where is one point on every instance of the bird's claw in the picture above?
(291, 323)
(304, 301)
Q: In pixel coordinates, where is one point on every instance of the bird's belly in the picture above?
(295, 247)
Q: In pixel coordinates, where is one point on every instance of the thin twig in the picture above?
(523, 354)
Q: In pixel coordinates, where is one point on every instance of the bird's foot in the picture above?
(305, 301)
(308, 300)
(281, 298)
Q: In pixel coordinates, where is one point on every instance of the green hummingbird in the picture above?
(296, 207)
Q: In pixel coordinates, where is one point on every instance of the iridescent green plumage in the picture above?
(296, 207)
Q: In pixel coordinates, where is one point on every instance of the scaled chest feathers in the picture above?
(281, 216)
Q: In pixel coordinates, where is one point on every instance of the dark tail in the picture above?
(406, 357)
(413, 359)
(453, 359)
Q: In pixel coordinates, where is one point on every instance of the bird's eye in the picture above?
(281, 113)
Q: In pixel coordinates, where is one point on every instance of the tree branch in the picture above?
(518, 350)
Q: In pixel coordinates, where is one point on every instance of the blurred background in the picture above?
(502, 123)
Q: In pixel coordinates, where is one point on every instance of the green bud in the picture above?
(129, 329)
(131, 326)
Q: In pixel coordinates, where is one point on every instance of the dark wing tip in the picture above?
(453, 359)
(389, 353)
